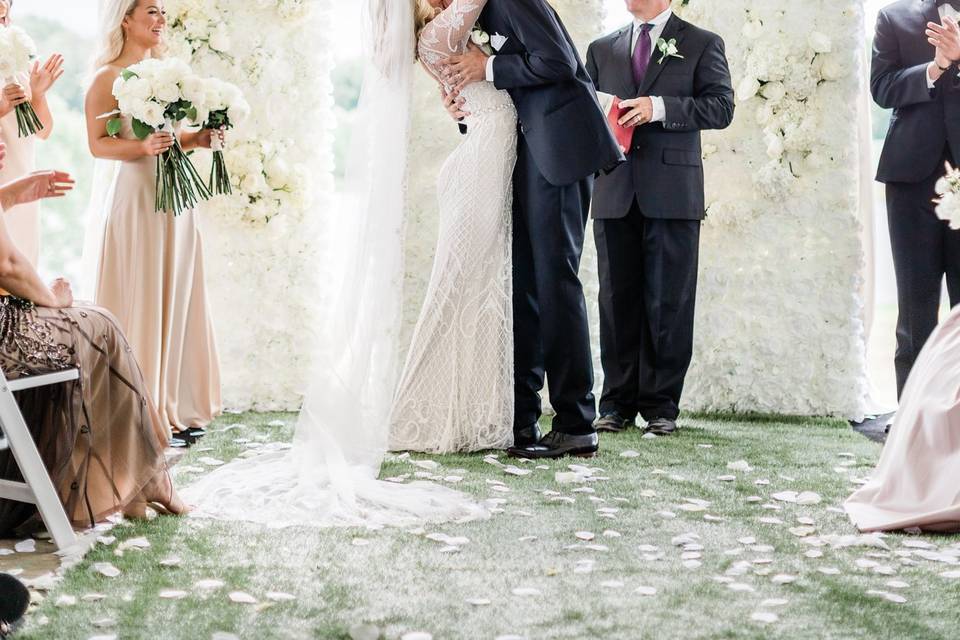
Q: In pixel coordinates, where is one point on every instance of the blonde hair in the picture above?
(112, 37)
(423, 13)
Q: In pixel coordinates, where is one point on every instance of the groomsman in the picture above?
(648, 211)
(914, 72)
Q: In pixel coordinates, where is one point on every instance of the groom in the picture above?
(563, 142)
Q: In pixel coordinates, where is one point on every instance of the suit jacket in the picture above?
(664, 170)
(925, 122)
(560, 116)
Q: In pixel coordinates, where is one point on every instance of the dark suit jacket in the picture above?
(664, 171)
(559, 114)
(924, 122)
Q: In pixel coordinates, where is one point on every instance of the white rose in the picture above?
(820, 42)
(151, 114)
(278, 172)
(774, 146)
(773, 91)
(748, 88)
(220, 39)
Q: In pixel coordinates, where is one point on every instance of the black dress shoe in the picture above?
(527, 436)
(613, 423)
(14, 600)
(661, 427)
(558, 445)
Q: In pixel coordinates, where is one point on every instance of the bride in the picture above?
(455, 393)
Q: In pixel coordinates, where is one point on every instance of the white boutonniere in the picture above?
(481, 38)
(668, 49)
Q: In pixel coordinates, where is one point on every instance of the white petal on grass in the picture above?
(586, 536)
(629, 453)
(897, 584)
(770, 520)
(692, 508)
(93, 597)
(66, 601)
(726, 478)
(748, 540)
(775, 602)
(783, 578)
(106, 569)
(692, 564)
(280, 596)
(479, 602)
(134, 543)
(172, 594)
(740, 587)
(764, 617)
(739, 465)
(886, 595)
(813, 553)
(785, 496)
(26, 546)
(210, 462)
(171, 561)
(612, 584)
(516, 471)
(829, 571)
(208, 584)
(951, 575)
(646, 591)
(527, 539)
(416, 635)
(526, 592)
(609, 533)
(241, 597)
(803, 532)
(223, 635)
(510, 636)
(364, 632)
(809, 498)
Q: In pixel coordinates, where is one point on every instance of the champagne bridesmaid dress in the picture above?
(150, 276)
(23, 221)
(915, 484)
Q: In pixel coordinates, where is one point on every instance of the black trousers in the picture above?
(925, 250)
(648, 290)
(551, 329)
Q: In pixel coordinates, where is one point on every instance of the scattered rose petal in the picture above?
(646, 591)
(364, 632)
(241, 597)
(630, 454)
(279, 596)
(172, 594)
(416, 635)
(208, 585)
(764, 617)
(526, 592)
(66, 601)
(106, 569)
(26, 546)
(479, 602)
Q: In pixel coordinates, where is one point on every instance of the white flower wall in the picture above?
(779, 324)
(260, 242)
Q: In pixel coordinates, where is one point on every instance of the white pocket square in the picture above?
(497, 41)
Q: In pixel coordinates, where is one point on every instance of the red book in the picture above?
(611, 108)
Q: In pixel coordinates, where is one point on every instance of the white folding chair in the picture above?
(37, 487)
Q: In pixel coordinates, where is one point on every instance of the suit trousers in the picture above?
(925, 250)
(648, 289)
(551, 328)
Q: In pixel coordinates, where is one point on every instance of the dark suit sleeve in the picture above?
(711, 106)
(548, 58)
(591, 64)
(892, 85)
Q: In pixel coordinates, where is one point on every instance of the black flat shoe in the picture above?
(661, 427)
(613, 423)
(194, 432)
(558, 445)
(14, 600)
(178, 443)
(527, 436)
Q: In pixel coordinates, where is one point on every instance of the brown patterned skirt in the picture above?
(100, 437)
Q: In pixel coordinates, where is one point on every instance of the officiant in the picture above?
(674, 81)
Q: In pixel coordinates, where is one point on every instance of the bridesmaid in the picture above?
(915, 483)
(150, 272)
(23, 222)
(101, 437)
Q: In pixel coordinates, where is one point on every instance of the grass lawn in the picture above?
(525, 573)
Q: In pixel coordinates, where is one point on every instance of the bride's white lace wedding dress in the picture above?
(456, 390)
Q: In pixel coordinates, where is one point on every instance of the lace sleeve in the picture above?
(447, 34)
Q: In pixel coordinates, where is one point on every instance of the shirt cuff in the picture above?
(659, 109)
(930, 83)
(490, 68)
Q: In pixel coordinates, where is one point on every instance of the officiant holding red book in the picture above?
(672, 81)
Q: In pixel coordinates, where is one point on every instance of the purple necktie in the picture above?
(642, 54)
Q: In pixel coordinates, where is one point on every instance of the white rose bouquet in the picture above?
(218, 106)
(151, 94)
(17, 50)
(948, 204)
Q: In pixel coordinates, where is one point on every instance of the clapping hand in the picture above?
(42, 78)
(946, 38)
(640, 111)
(36, 186)
(463, 70)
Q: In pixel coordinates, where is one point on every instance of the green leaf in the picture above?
(141, 129)
(192, 113)
(113, 126)
(126, 74)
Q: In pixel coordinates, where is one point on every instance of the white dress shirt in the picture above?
(945, 11)
(659, 24)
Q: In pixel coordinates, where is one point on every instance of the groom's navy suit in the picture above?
(564, 141)
(924, 133)
(647, 217)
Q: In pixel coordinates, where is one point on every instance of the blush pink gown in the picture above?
(917, 481)
(151, 277)
(22, 221)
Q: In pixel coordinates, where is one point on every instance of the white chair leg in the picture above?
(34, 472)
